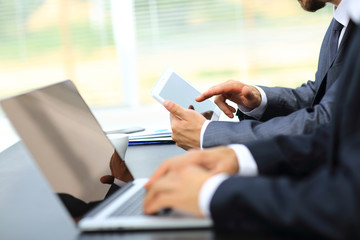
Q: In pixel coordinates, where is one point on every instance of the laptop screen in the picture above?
(64, 138)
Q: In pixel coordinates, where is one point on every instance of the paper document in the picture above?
(155, 136)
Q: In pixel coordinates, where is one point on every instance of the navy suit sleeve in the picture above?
(283, 101)
(299, 122)
(296, 155)
(325, 203)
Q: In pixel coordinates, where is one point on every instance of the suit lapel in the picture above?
(338, 59)
(343, 43)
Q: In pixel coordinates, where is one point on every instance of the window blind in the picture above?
(46, 41)
(207, 42)
(260, 41)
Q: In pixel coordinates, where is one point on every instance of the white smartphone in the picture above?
(171, 86)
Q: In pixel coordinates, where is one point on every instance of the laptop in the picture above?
(73, 152)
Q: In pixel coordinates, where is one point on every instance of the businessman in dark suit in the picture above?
(314, 189)
(276, 110)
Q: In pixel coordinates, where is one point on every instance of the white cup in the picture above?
(120, 141)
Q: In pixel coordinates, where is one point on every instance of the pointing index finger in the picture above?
(215, 90)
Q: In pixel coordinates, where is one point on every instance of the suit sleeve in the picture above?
(283, 101)
(325, 203)
(299, 122)
(296, 155)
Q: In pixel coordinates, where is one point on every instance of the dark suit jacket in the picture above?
(323, 198)
(289, 111)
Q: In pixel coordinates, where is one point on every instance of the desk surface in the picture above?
(143, 160)
(29, 210)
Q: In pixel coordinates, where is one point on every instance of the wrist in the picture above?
(256, 96)
(207, 192)
(246, 162)
(260, 109)
(202, 132)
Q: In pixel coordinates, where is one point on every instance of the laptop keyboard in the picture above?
(133, 206)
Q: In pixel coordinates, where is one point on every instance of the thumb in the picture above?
(175, 109)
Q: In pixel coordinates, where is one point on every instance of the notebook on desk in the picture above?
(71, 149)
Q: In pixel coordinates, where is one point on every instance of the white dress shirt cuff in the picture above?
(119, 183)
(247, 163)
(258, 111)
(203, 128)
(208, 190)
